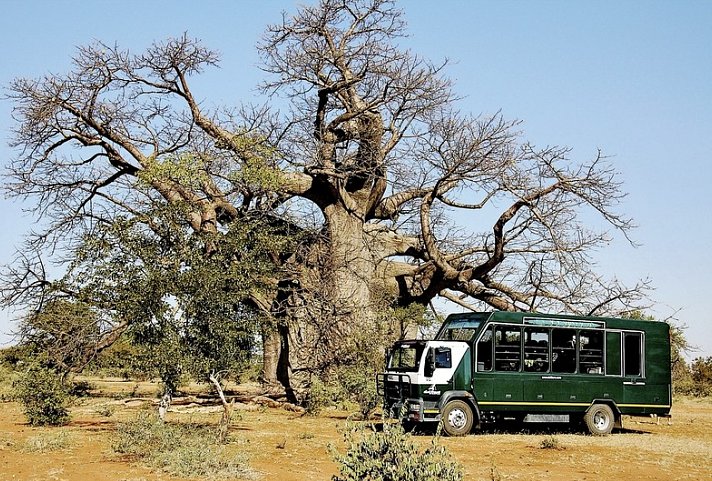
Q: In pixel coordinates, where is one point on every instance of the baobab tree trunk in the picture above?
(321, 323)
(351, 270)
(270, 354)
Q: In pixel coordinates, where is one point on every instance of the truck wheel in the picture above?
(457, 418)
(599, 419)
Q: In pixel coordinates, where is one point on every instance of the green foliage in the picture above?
(182, 293)
(13, 356)
(105, 410)
(183, 450)
(352, 380)
(81, 388)
(7, 375)
(320, 396)
(347, 386)
(702, 370)
(392, 455)
(43, 395)
(357, 382)
(62, 333)
(124, 359)
(186, 169)
(698, 381)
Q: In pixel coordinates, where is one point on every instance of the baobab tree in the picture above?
(395, 197)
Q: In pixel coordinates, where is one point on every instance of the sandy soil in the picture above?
(286, 446)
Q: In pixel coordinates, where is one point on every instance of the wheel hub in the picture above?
(600, 420)
(457, 418)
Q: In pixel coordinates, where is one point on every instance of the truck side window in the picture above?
(633, 353)
(508, 348)
(563, 350)
(591, 352)
(536, 349)
(443, 358)
(484, 351)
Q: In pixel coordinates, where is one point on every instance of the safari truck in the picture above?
(488, 367)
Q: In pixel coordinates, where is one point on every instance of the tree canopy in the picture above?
(371, 191)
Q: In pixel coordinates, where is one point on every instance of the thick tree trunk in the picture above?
(270, 354)
(352, 268)
(322, 321)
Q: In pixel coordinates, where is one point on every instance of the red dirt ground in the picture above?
(286, 446)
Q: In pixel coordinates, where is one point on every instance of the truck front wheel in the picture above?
(457, 418)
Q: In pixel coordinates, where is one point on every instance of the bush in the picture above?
(179, 450)
(695, 379)
(358, 383)
(43, 395)
(321, 395)
(6, 379)
(391, 455)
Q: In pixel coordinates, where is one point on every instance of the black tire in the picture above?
(599, 420)
(457, 418)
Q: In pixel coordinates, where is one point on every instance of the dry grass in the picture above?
(48, 441)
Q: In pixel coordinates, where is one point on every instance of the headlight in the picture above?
(414, 407)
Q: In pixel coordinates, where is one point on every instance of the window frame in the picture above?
(641, 352)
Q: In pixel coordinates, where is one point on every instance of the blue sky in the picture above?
(631, 78)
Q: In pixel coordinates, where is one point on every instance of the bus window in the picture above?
(484, 351)
(563, 348)
(613, 353)
(633, 355)
(591, 352)
(536, 349)
(507, 351)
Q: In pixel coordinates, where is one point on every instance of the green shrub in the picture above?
(6, 378)
(358, 385)
(321, 395)
(392, 455)
(43, 395)
(105, 410)
(694, 379)
(178, 449)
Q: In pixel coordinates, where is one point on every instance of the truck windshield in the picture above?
(406, 357)
(459, 329)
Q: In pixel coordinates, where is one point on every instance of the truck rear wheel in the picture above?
(599, 419)
(457, 418)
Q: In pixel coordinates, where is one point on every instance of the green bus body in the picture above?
(507, 365)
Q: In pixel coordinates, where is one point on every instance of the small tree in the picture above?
(44, 396)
